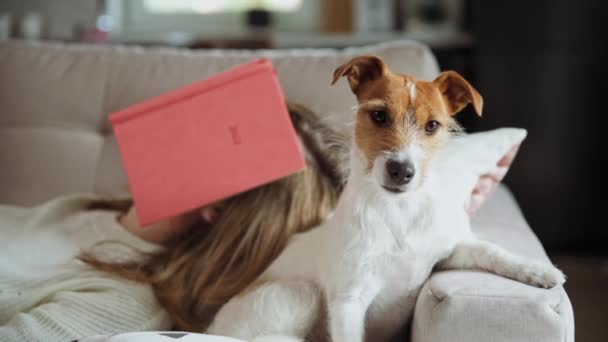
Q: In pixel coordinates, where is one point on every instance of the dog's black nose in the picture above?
(400, 172)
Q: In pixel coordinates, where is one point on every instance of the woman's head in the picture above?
(213, 262)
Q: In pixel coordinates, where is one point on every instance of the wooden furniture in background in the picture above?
(337, 16)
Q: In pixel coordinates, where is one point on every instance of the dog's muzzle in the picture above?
(398, 174)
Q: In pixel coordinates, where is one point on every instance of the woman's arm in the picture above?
(107, 307)
(161, 232)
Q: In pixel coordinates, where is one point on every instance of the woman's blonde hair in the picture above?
(204, 268)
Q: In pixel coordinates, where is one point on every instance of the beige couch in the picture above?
(55, 139)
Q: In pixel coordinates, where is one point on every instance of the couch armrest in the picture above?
(476, 306)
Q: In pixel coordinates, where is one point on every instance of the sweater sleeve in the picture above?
(115, 306)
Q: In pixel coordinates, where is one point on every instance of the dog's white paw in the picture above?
(542, 275)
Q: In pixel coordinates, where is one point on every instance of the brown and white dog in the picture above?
(394, 223)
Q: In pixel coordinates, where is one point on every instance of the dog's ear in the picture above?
(360, 70)
(457, 92)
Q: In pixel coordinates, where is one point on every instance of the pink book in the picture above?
(206, 141)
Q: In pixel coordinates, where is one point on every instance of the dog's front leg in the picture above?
(347, 314)
(346, 320)
(482, 255)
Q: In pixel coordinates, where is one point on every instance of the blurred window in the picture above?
(215, 6)
(153, 18)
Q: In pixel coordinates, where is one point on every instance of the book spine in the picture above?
(194, 89)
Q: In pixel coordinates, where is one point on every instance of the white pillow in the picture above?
(465, 158)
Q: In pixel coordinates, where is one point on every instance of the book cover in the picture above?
(206, 141)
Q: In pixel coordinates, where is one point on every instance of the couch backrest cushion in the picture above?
(54, 100)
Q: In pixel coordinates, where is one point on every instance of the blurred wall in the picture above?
(541, 65)
(59, 16)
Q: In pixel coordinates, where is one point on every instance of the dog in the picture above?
(364, 267)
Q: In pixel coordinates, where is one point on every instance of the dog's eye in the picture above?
(431, 127)
(379, 117)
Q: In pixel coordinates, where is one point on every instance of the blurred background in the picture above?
(539, 65)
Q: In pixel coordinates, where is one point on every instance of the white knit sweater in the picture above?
(48, 295)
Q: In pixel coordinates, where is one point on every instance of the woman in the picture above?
(171, 275)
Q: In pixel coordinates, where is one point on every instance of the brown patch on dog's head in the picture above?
(397, 110)
(360, 70)
(457, 93)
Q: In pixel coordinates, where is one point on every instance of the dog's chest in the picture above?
(384, 246)
(402, 270)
